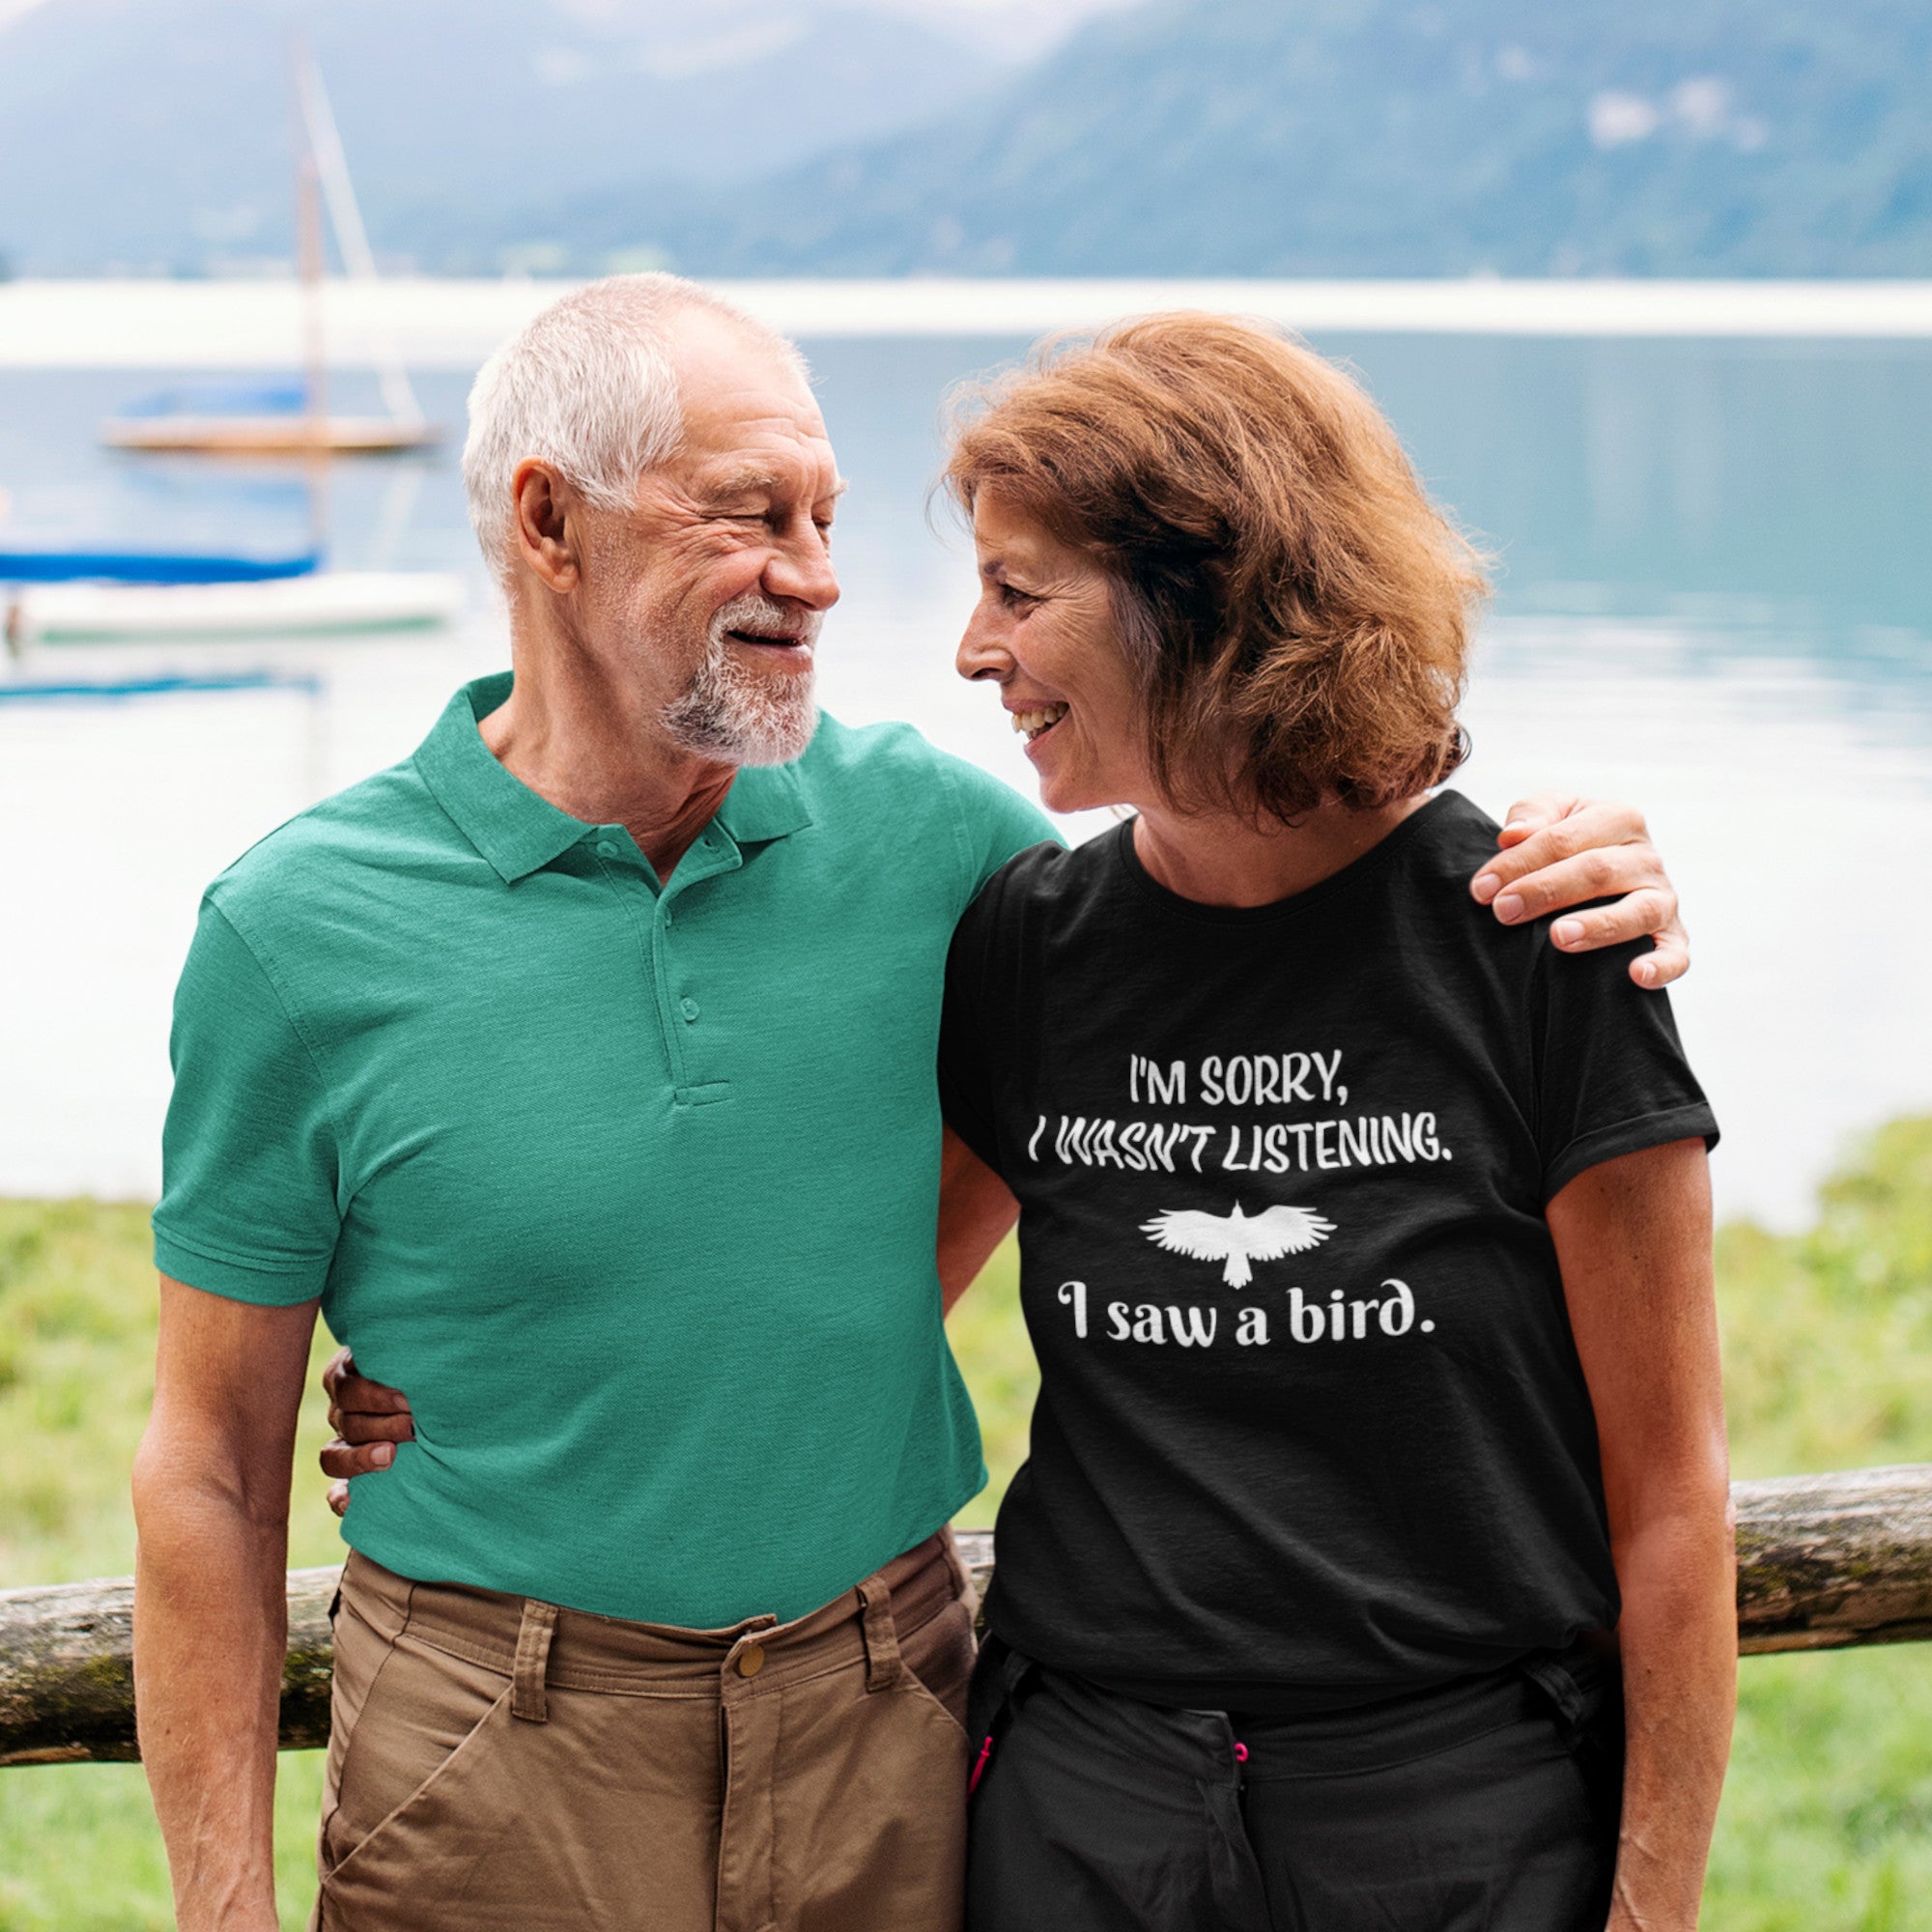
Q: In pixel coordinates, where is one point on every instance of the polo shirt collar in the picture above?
(514, 828)
(764, 802)
(520, 833)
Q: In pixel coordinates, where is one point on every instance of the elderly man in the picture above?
(580, 1070)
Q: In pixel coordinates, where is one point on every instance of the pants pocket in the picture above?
(938, 1657)
(418, 1711)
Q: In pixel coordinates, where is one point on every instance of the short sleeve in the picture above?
(249, 1205)
(966, 1097)
(997, 823)
(1610, 1072)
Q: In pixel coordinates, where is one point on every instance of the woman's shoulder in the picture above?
(1052, 873)
(1047, 885)
(1455, 834)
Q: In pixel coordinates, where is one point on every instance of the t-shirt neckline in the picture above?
(1296, 905)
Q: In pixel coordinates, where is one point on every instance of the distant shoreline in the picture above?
(453, 325)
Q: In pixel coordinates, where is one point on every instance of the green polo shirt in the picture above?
(632, 1188)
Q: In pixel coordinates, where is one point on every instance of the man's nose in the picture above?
(802, 572)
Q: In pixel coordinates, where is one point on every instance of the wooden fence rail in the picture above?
(1823, 1562)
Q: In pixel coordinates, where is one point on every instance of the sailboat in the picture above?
(285, 420)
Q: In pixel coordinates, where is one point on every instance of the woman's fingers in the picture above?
(361, 1410)
(361, 1426)
(343, 1460)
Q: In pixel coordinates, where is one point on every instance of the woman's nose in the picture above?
(980, 652)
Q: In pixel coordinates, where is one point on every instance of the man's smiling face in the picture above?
(714, 584)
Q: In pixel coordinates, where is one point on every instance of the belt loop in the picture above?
(884, 1667)
(1545, 1669)
(526, 1683)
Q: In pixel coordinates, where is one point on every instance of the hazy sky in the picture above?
(1025, 24)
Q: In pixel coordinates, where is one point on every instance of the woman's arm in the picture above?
(977, 1210)
(1633, 1239)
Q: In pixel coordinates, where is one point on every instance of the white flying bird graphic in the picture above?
(1237, 1238)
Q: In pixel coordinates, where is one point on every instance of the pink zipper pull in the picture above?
(980, 1765)
(1240, 1752)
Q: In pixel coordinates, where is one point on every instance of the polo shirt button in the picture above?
(750, 1660)
(689, 1009)
(607, 846)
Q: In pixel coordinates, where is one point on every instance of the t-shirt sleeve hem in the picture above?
(979, 1136)
(1632, 1136)
(278, 1284)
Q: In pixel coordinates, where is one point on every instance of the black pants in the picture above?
(1489, 1805)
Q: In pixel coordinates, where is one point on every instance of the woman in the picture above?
(1378, 1485)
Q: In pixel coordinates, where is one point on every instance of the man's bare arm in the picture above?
(1559, 851)
(1633, 1239)
(211, 1618)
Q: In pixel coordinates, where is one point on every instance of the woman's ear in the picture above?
(547, 514)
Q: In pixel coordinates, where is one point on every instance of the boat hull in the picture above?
(331, 603)
(268, 436)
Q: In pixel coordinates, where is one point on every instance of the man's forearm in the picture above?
(1678, 1635)
(210, 1631)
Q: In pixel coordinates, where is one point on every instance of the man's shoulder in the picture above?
(307, 864)
(894, 768)
(888, 754)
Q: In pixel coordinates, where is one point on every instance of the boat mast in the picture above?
(325, 146)
(309, 256)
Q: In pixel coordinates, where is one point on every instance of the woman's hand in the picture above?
(1558, 851)
(369, 1419)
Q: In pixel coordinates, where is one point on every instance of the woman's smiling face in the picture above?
(1044, 631)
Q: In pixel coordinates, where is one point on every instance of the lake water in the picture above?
(1714, 601)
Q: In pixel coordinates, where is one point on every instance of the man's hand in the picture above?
(369, 1419)
(1558, 851)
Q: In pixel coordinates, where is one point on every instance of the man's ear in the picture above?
(546, 524)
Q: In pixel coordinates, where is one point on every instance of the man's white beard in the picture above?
(727, 712)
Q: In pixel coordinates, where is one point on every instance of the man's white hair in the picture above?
(586, 385)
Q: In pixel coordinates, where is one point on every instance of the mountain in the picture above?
(153, 134)
(1370, 137)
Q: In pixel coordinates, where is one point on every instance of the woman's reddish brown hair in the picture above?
(1297, 609)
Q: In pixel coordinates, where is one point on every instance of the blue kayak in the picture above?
(106, 566)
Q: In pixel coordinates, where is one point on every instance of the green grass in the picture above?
(1827, 1824)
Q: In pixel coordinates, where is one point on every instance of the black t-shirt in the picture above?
(1312, 1428)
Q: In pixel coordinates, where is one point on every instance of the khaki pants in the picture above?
(495, 1762)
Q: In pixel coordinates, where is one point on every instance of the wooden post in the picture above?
(1824, 1562)
(1828, 1561)
(67, 1670)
